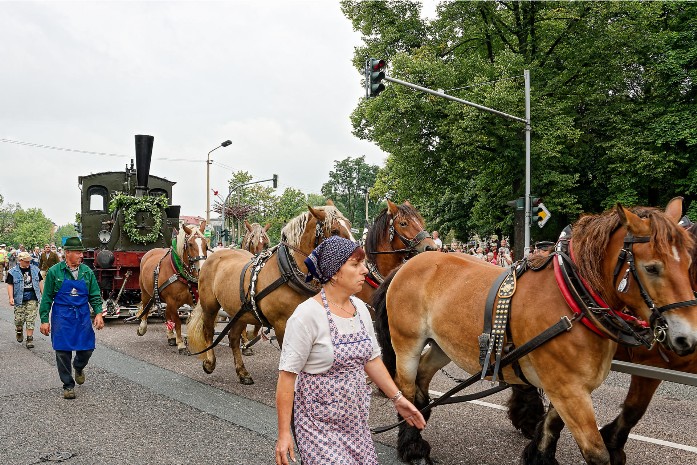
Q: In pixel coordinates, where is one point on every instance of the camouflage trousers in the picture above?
(26, 313)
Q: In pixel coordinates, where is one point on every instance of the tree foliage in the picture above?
(613, 89)
(348, 185)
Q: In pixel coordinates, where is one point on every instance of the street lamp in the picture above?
(208, 181)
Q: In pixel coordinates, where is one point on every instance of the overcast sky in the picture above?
(275, 77)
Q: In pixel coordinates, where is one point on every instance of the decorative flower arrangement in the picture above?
(132, 205)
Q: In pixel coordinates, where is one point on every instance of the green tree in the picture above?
(67, 230)
(31, 228)
(613, 88)
(349, 184)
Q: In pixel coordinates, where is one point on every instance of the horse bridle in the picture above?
(657, 322)
(409, 244)
(192, 260)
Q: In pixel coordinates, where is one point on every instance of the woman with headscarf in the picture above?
(328, 347)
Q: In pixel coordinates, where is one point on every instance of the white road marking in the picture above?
(636, 437)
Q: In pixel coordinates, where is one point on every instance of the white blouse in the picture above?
(307, 343)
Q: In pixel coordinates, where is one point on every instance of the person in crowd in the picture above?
(24, 289)
(61, 255)
(36, 256)
(494, 248)
(47, 259)
(11, 258)
(3, 260)
(491, 258)
(436, 239)
(504, 256)
(70, 289)
(328, 347)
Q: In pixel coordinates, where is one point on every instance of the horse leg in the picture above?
(615, 434)
(543, 447)
(574, 408)
(525, 408)
(143, 326)
(181, 343)
(411, 446)
(234, 336)
(247, 351)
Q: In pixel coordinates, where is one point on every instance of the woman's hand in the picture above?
(284, 448)
(410, 413)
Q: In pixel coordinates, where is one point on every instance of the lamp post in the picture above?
(208, 181)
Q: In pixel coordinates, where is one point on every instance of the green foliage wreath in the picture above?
(132, 205)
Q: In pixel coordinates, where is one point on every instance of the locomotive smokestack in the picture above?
(143, 158)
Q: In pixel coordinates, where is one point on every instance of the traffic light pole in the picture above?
(525, 120)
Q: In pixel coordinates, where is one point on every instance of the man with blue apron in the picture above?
(70, 289)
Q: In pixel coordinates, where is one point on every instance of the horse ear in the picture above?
(247, 225)
(406, 202)
(186, 228)
(319, 214)
(631, 221)
(674, 209)
(392, 208)
(267, 226)
(330, 202)
(202, 226)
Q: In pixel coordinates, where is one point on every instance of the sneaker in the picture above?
(79, 376)
(68, 393)
(20, 335)
(30, 342)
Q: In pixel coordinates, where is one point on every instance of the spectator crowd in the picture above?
(492, 250)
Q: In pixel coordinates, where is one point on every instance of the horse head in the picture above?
(256, 239)
(192, 247)
(406, 229)
(308, 230)
(646, 260)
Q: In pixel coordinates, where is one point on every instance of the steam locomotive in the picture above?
(122, 216)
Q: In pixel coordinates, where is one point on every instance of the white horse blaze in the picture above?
(343, 223)
(676, 255)
(200, 251)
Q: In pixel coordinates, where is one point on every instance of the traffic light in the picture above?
(373, 75)
(535, 209)
(275, 181)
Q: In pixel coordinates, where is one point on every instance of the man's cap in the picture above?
(24, 257)
(3, 245)
(73, 243)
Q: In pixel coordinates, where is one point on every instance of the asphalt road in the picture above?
(144, 403)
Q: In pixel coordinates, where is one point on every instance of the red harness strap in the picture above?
(371, 282)
(561, 283)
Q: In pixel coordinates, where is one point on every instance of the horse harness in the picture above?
(290, 275)
(181, 273)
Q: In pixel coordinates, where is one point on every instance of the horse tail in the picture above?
(382, 327)
(195, 331)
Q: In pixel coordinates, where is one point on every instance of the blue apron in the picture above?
(71, 327)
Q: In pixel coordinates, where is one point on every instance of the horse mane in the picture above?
(382, 223)
(255, 236)
(591, 235)
(181, 237)
(293, 231)
(692, 231)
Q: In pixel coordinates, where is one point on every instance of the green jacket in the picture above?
(54, 281)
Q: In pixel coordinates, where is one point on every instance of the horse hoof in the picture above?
(248, 351)
(172, 342)
(208, 367)
(141, 332)
(184, 351)
(247, 380)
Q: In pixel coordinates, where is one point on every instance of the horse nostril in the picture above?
(681, 343)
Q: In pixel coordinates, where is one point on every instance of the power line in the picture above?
(89, 152)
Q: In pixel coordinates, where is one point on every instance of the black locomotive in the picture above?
(123, 215)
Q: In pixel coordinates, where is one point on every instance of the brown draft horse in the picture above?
(397, 234)
(440, 298)
(191, 250)
(219, 284)
(526, 408)
(254, 241)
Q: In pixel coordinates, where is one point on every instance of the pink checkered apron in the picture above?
(331, 409)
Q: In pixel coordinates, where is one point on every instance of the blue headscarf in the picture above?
(328, 257)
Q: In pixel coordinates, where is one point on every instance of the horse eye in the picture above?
(652, 269)
(335, 232)
(403, 224)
